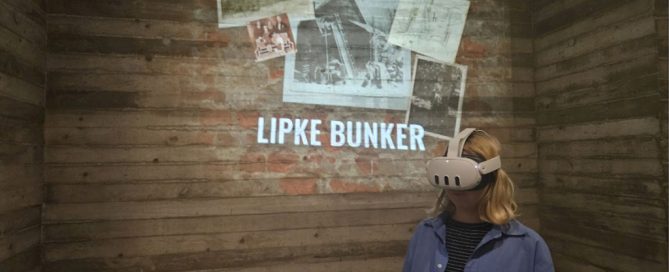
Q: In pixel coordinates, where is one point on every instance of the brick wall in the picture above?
(601, 132)
(22, 85)
(152, 162)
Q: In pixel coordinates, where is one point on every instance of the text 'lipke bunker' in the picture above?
(353, 134)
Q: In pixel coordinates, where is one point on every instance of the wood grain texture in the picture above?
(152, 160)
(599, 131)
(22, 96)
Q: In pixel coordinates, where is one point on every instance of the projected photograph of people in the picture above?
(271, 37)
(436, 101)
(235, 13)
(345, 58)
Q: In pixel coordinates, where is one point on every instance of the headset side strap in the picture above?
(490, 165)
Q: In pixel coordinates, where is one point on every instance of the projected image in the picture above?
(271, 37)
(234, 13)
(436, 102)
(345, 59)
(432, 28)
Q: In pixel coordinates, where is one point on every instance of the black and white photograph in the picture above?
(345, 58)
(436, 101)
(271, 37)
(236, 13)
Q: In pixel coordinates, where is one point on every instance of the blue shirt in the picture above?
(509, 248)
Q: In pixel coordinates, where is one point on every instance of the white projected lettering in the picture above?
(350, 133)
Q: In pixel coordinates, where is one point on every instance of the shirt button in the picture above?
(439, 265)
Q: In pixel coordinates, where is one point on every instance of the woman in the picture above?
(474, 229)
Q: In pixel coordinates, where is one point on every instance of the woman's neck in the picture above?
(466, 216)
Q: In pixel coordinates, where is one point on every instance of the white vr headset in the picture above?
(455, 172)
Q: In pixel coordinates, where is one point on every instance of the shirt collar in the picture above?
(512, 228)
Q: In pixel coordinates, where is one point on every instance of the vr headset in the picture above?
(455, 172)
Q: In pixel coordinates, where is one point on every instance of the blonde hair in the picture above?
(497, 204)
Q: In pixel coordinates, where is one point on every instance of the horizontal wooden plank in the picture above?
(19, 110)
(200, 11)
(639, 86)
(573, 263)
(621, 51)
(286, 153)
(607, 185)
(634, 247)
(13, 174)
(610, 15)
(582, 9)
(228, 80)
(234, 258)
(191, 172)
(20, 153)
(135, 65)
(18, 198)
(93, 193)
(17, 220)
(544, 9)
(619, 73)
(34, 9)
(492, 19)
(620, 109)
(234, 206)
(245, 188)
(20, 132)
(24, 50)
(149, 246)
(600, 39)
(28, 260)
(147, 136)
(647, 126)
(231, 99)
(613, 166)
(22, 24)
(238, 46)
(16, 243)
(651, 210)
(588, 218)
(20, 90)
(11, 65)
(371, 265)
(228, 224)
(619, 148)
(602, 257)
(60, 23)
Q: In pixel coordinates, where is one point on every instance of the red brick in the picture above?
(366, 166)
(201, 138)
(298, 186)
(469, 48)
(219, 36)
(248, 119)
(325, 141)
(275, 73)
(341, 186)
(222, 138)
(252, 162)
(439, 149)
(211, 118)
(283, 161)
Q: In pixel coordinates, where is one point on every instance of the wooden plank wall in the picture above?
(601, 129)
(22, 93)
(151, 161)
